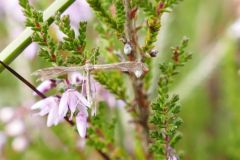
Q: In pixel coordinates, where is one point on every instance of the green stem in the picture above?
(24, 39)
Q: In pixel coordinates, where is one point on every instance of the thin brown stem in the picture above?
(23, 80)
(140, 99)
(104, 155)
(130, 30)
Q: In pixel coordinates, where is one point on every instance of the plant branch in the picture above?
(140, 94)
(40, 94)
(104, 155)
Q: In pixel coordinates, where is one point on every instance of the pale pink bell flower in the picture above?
(45, 86)
(3, 140)
(79, 11)
(172, 158)
(6, 114)
(97, 90)
(15, 128)
(20, 143)
(70, 100)
(49, 106)
(76, 78)
(104, 95)
(81, 122)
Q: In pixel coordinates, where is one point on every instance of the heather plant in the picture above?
(90, 80)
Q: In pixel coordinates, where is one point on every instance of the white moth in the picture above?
(137, 68)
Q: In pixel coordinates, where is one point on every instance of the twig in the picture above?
(104, 155)
(23, 80)
(140, 94)
(129, 30)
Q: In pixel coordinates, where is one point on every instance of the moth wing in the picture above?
(131, 66)
(50, 73)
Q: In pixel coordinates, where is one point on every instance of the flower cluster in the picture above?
(57, 107)
(71, 101)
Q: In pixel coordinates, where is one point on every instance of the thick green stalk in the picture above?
(24, 39)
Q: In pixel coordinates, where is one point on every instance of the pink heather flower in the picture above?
(70, 100)
(96, 89)
(79, 11)
(20, 143)
(15, 128)
(49, 106)
(3, 139)
(109, 98)
(172, 158)
(45, 86)
(75, 78)
(81, 121)
(6, 114)
(81, 143)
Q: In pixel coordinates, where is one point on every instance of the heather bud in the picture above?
(153, 53)
(127, 49)
(138, 73)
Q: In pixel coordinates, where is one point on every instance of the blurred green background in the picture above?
(209, 85)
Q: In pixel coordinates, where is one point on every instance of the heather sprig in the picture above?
(168, 4)
(55, 51)
(153, 27)
(71, 42)
(41, 34)
(154, 11)
(120, 15)
(165, 108)
(119, 30)
(107, 18)
(148, 7)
